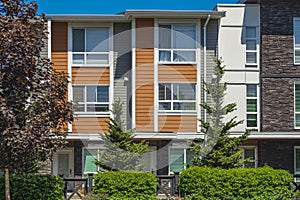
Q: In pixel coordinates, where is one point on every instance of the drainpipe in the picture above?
(204, 60)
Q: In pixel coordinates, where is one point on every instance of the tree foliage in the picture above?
(217, 149)
(121, 151)
(34, 109)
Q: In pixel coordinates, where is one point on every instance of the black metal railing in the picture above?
(168, 185)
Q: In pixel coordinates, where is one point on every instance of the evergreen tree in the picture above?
(217, 149)
(121, 151)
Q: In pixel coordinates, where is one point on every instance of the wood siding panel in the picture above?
(177, 123)
(145, 33)
(90, 75)
(90, 125)
(59, 45)
(177, 73)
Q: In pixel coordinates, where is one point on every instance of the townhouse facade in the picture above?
(155, 62)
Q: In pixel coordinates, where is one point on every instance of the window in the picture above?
(91, 98)
(252, 105)
(297, 105)
(249, 153)
(297, 40)
(177, 43)
(177, 96)
(297, 160)
(90, 46)
(251, 47)
(89, 157)
(179, 158)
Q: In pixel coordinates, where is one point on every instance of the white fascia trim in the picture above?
(49, 25)
(111, 69)
(88, 137)
(156, 104)
(168, 136)
(198, 90)
(270, 135)
(133, 82)
(70, 89)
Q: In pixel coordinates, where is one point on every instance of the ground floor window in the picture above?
(249, 153)
(179, 159)
(297, 160)
(89, 157)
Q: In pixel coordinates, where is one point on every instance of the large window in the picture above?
(297, 40)
(177, 96)
(252, 106)
(91, 98)
(179, 158)
(297, 105)
(251, 47)
(177, 43)
(90, 46)
(249, 154)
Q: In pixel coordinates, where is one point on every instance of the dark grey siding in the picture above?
(122, 68)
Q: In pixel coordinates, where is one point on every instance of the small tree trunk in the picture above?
(7, 192)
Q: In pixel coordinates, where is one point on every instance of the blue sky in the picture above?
(116, 6)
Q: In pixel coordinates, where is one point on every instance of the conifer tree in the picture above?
(121, 151)
(217, 149)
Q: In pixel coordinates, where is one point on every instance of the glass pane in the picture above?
(63, 164)
(164, 105)
(251, 90)
(184, 91)
(297, 156)
(297, 97)
(79, 108)
(184, 106)
(189, 157)
(89, 157)
(161, 94)
(165, 37)
(297, 55)
(250, 164)
(78, 59)
(251, 120)
(250, 45)
(250, 32)
(176, 160)
(78, 40)
(251, 105)
(102, 94)
(249, 153)
(97, 59)
(78, 93)
(91, 92)
(297, 120)
(184, 56)
(251, 57)
(165, 56)
(97, 107)
(297, 33)
(97, 40)
(184, 37)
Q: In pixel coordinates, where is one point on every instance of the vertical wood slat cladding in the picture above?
(177, 123)
(144, 75)
(90, 75)
(178, 73)
(90, 125)
(59, 46)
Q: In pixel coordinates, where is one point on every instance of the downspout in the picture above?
(204, 61)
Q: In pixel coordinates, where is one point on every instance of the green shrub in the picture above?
(236, 184)
(31, 186)
(125, 185)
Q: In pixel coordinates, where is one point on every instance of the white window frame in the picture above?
(257, 107)
(184, 148)
(172, 24)
(177, 101)
(252, 65)
(242, 148)
(294, 38)
(295, 112)
(91, 25)
(85, 103)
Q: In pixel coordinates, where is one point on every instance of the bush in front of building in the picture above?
(33, 186)
(239, 183)
(125, 185)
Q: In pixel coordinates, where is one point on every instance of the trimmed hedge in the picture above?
(125, 185)
(249, 183)
(32, 186)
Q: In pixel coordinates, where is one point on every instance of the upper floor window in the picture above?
(252, 106)
(297, 40)
(297, 105)
(251, 47)
(91, 99)
(177, 96)
(90, 46)
(177, 43)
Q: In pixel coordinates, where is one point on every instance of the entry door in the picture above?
(63, 163)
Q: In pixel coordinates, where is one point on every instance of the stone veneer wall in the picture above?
(278, 71)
